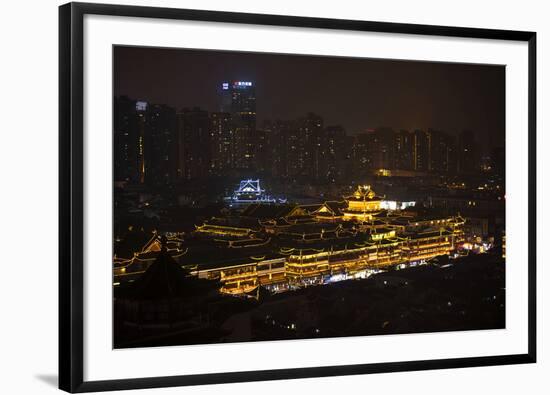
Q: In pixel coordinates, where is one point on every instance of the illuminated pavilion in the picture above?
(250, 191)
(362, 205)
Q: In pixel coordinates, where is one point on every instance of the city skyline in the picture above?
(356, 93)
(158, 144)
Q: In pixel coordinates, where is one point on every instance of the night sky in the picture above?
(353, 92)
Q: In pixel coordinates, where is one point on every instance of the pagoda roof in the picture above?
(293, 247)
(326, 209)
(377, 222)
(208, 256)
(312, 228)
(234, 222)
(165, 279)
(336, 207)
(267, 211)
(430, 233)
(381, 230)
(364, 193)
(311, 208)
(250, 186)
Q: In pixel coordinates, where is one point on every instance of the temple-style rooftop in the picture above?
(364, 193)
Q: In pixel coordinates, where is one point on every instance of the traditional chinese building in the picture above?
(362, 204)
(284, 246)
(250, 191)
(165, 295)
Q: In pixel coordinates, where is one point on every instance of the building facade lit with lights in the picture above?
(239, 100)
(362, 204)
(283, 247)
(250, 191)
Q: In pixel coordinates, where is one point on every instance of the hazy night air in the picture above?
(355, 93)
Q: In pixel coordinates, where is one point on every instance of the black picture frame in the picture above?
(71, 223)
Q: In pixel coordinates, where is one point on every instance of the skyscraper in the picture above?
(421, 151)
(239, 100)
(160, 144)
(141, 125)
(374, 150)
(277, 154)
(125, 142)
(383, 148)
(362, 152)
(144, 142)
(334, 152)
(193, 143)
(468, 160)
(221, 140)
(442, 152)
(261, 152)
(295, 147)
(312, 146)
(403, 151)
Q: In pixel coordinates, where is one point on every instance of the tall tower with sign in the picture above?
(239, 100)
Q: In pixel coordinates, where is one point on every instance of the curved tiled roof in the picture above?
(165, 280)
(364, 193)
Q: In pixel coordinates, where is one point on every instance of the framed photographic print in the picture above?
(253, 197)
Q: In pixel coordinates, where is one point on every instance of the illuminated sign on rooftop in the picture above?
(236, 84)
(141, 106)
(242, 83)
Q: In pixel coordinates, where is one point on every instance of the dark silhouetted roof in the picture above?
(165, 279)
(267, 211)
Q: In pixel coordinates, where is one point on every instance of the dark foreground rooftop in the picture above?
(463, 294)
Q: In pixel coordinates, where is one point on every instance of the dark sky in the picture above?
(353, 92)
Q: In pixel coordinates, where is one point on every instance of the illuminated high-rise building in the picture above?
(221, 140)
(161, 144)
(362, 152)
(403, 150)
(193, 143)
(278, 153)
(421, 151)
(383, 148)
(261, 152)
(295, 149)
(374, 150)
(141, 124)
(294, 145)
(334, 152)
(313, 146)
(125, 141)
(144, 142)
(239, 100)
(442, 152)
